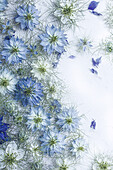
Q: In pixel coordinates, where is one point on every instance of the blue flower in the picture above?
(14, 50)
(96, 62)
(3, 128)
(52, 142)
(84, 44)
(3, 5)
(55, 106)
(32, 50)
(93, 124)
(7, 28)
(54, 40)
(93, 5)
(93, 71)
(27, 16)
(37, 119)
(28, 92)
(68, 120)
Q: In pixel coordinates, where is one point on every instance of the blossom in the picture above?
(27, 16)
(52, 142)
(64, 164)
(37, 119)
(41, 69)
(3, 5)
(10, 157)
(84, 44)
(68, 120)
(54, 40)
(14, 50)
(7, 28)
(96, 62)
(55, 106)
(3, 128)
(28, 92)
(7, 81)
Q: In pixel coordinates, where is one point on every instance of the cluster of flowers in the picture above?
(37, 130)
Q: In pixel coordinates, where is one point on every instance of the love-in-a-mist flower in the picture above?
(14, 50)
(37, 119)
(53, 40)
(3, 5)
(3, 131)
(27, 17)
(84, 44)
(68, 120)
(64, 164)
(28, 92)
(102, 162)
(7, 81)
(55, 106)
(68, 12)
(7, 28)
(41, 69)
(52, 142)
(11, 157)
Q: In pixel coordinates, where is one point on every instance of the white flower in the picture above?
(7, 81)
(65, 164)
(41, 69)
(10, 157)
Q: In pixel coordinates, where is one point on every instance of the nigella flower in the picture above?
(37, 119)
(28, 92)
(7, 28)
(84, 44)
(27, 16)
(14, 50)
(54, 40)
(7, 81)
(41, 69)
(11, 157)
(32, 50)
(102, 162)
(93, 124)
(3, 5)
(52, 142)
(68, 120)
(3, 128)
(55, 106)
(65, 164)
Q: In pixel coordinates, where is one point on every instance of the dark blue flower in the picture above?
(3, 4)
(3, 128)
(28, 92)
(93, 71)
(93, 5)
(27, 16)
(54, 40)
(14, 50)
(96, 13)
(93, 124)
(96, 62)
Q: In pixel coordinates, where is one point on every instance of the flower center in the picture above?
(37, 120)
(52, 89)
(29, 16)
(4, 82)
(67, 10)
(81, 148)
(52, 142)
(53, 39)
(28, 91)
(14, 50)
(69, 120)
(103, 165)
(109, 48)
(10, 158)
(63, 167)
(42, 70)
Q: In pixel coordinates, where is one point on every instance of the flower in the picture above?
(84, 44)
(10, 157)
(54, 40)
(7, 81)
(93, 5)
(64, 164)
(68, 120)
(52, 142)
(3, 128)
(28, 92)
(14, 50)
(7, 28)
(41, 69)
(55, 106)
(27, 16)
(3, 5)
(102, 162)
(32, 50)
(37, 119)
(96, 62)
(68, 11)
(93, 124)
